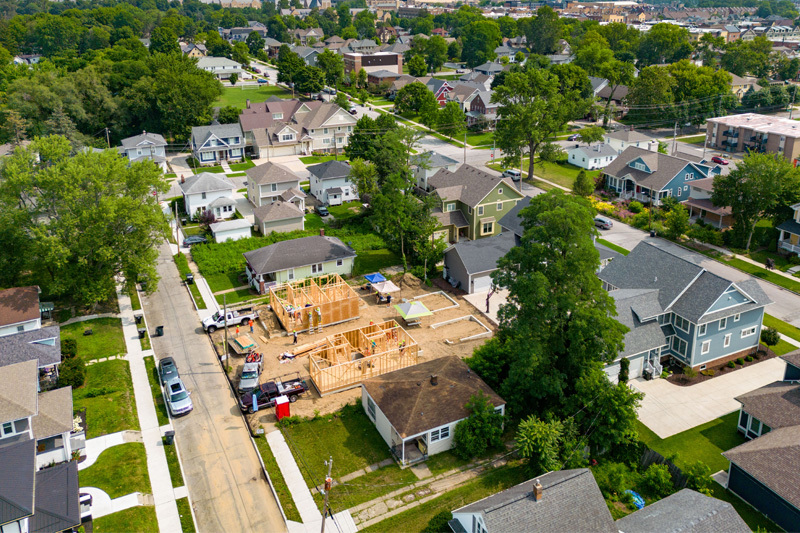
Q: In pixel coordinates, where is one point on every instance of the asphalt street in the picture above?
(221, 468)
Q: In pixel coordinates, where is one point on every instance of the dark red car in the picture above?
(718, 160)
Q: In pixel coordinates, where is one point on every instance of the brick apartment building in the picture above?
(757, 133)
(373, 62)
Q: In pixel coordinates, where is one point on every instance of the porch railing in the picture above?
(790, 247)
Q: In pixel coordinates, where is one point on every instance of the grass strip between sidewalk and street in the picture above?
(784, 328)
(613, 246)
(185, 512)
(173, 463)
(183, 268)
(155, 388)
(763, 273)
(278, 482)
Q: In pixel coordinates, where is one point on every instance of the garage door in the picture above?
(634, 371)
(481, 284)
(283, 150)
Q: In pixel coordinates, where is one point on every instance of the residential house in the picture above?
(650, 176)
(463, 94)
(439, 88)
(509, 51)
(620, 140)
(482, 110)
(272, 46)
(702, 208)
(41, 345)
(491, 68)
(471, 201)
(303, 35)
(297, 259)
(279, 216)
(330, 183)
(740, 85)
(235, 35)
(334, 42)
(476, 77)
(231, 230)
(359, 46)
(789, 239)
(290, 127)
(355, 61)
(752, 132)
(383, 76)
(618, 95)
(592, 157)
(220, 67)
(218, 142)
(560, 59)
(272, 182)
(27, 59)
(416, 409)
(208, 192)
(677, 309)
(194, 50)
(429, 163)
(19, 310)
(396, 48)
(150, 146)
(307, 54)
(598, 84)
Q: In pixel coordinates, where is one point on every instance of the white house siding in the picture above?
(282, 226)
(196, 201)
(441, 445)
(266, 195)
(232, 234)
(327, 268)
(29, 325)
(481, 282)
(319, 188)
(381, 422)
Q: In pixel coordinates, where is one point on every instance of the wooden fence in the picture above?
(314, 302)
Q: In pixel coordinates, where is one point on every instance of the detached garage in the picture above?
(469, 265)
(231, 230)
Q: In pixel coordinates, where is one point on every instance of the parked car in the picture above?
(264, 396)
(573, 137)
(256, 70)
(262, 80)
(322, 211)
(167, 369)
(194, 239)
(178, 398)
(603, 222)
(512, 173)
(719, 160)
(250, 373)
(460, 71)
(391, 97)
(353, 110)
(329, 90)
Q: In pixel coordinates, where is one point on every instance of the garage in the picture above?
(468, 265)
(231, 230)
(634, 371)
(481, 283)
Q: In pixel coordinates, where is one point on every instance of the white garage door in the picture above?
(634, 371)
(283, 150)
(481, 284)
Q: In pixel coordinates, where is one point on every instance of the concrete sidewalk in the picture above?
(160, 482)
(96, 446)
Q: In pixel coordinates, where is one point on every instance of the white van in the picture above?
(512, 173)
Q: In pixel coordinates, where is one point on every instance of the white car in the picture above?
(512, 173)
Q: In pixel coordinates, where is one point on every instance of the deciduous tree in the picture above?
(479, 41)
(332, 65)
(417, 66)
(435, 53)
(452, 120)
(584, 186)
(255, 43)
(482, 430)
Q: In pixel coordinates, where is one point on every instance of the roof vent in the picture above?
(538, 491)
(434, 379)
(655, 280)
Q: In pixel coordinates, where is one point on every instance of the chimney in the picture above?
(537, 491)
(247, 103)
(434, 379)
(321, 232)
(183, 180)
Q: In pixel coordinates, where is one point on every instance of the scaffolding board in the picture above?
(346, 359)
(311, 303)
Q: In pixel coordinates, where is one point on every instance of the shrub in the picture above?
(613, 478)
(624, 366)
(72, 373)
(69, 348)
(664, 374)
(641, 220)
(709, 373)
(656, 481)
(698, 477)
(731, 364)
(438, 524)
(739, 361)
(749, 358)
(770, 336)
(635, 207)
(480, 431)
(689, 372)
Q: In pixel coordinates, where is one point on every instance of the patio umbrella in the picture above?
(385, 287)
(411, 310)
(375, 278)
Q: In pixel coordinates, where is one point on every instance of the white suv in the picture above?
(512, 173)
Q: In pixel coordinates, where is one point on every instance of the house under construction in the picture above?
(311, 303)
(342, 361)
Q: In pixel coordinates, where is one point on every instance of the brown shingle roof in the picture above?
(18, 391)
(413, 405)
(776, 405)
(55, 413)
(19, 304)
(270, 173)
(279, 210)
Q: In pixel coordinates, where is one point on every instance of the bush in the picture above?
(698, 477)
(641, 220)
(69, 348)
(635, 207)
(749, 358)
(480, 431)
(709, 373)
(739, 361)
(731, 364)
(438, 524)
(624, 366)
(657, 482)
(689, 372)
(613, 478)
(72, 373)
(770, 336)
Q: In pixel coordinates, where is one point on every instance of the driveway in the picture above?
(221, 467)
(668, 409)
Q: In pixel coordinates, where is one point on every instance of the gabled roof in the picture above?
(705, 184)
(435, 85)
(571, 502)
(228, 225)
(206, 182)
(42, 345)
(297, 253)
(210, 61)
(330, 170)
(628, 136)
(278, 210)
(201, 134)
(595, 151)
(18, 391)
(433, 160)
(57, 499)
(663, 167)
(482, 255)
(144, 138)
(776, 405)
(270, 172)
(490, 67)
(792, 358)
(17, 467)
(222, 201)
(512, 221)
(686, 511)
(55, 413)
(19, 304)
(413, 405)
(292, 193)
(791, 226)
(633, 306)
(467, 184)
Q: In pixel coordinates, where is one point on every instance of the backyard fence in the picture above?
(649, 457)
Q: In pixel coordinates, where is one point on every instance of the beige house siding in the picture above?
(281, 226)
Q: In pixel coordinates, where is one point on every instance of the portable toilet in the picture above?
(282, 407)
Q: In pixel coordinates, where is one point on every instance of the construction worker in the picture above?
(294, 334)
(251, 325)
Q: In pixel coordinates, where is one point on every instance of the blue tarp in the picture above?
(374, 278)
(638, 501)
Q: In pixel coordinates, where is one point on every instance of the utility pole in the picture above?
(465, 147)
(108, 138)
(791, 107)
(177, 224)
(328, 484)
(225, 310)
(675, 138)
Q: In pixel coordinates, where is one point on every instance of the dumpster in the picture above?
(159, 331)
(189, 278)
(141, 331)
(169, 437)
(282, 407)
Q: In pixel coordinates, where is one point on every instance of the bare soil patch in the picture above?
(434, 302)
(461, 329)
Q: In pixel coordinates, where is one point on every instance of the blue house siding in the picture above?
(680, 186)
(688, 337)
(756, 494)
(716, 336)
(729, 299)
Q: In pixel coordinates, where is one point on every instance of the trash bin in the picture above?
(652, 233)
(647, 375)
(141, 331)
(189, 278)
(159, 331)
(138, 318)
(169, 437)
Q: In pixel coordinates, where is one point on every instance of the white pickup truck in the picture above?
(235, 317)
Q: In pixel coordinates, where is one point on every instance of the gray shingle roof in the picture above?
(57, 499)
(467, 184)
(752, 289)
(642, 336)
(597, 150)
(297, 253)
(289, 194)
(55, 413)
(206, 182)
(144, 137)
(776, 405)
(571, 501)
(450, 218)
(490, 67)
(792, 358)
(512, 221)
(279, 210)
(18, 393)
(200, 134)
(29, 345)
(629, 136)
(433, 160)
(224, 200)
(17, 467)
(482, 255)
(330, 170)
(686, 511)
(664, 167)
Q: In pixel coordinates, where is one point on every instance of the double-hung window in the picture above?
(705, 348)
(723, 323)
(701, 330)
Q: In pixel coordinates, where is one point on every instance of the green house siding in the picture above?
(509, 198)
(328, 267)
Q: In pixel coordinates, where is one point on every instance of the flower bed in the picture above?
(678, 378)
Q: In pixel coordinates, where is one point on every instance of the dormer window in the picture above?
(450, 207)
(277, 116)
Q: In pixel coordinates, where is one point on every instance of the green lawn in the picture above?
(314, 159)
(185, 512)
(278, 482)
(368, 261)
(106, 338)
(130, 290)
(107, 396)
(784, 328)
(314, 221)
(783, 347)
(244, 165)
(239, 296)
(155, 388)
(480, 139)
(118, 471)
(183, 268)
(613, 246)
(134, 520)
(444, 462)
(238, 96)
(694, 139)
(763, 273)
(173, 463)
(369, 486)
(223, 281)
(346, 210)
(381, 101)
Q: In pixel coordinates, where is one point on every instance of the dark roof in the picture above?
(772, 459)
(791, 226)
(605, 252)
(776, 405)
(19, 304)
(686, 511)
(57, 499)
(664, 167)
(297, 253)
(200, 134)
(450, 218)
(467, 184)
(17, 467)
(571, 501)
(482, 255)
(620, 92)
(270, 172)
(632, 306)
(512, 221)
(413, 405)
(144, 137)
(42, 344)
(330, 169)
(792, 358)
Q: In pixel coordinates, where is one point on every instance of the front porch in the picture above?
(789, 238)
(627, 189)
(410, 451)
(703, 209)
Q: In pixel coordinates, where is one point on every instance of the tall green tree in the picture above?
(332, 65)
(452, 120)
(417, 66)
(544, 31)
(584, 185)
(435, 53)
(664, 43)
(540, 443)
(164, 41)
(289, 65)
(479, 41)
(429, 110)
(309, 80)
(255, 43)
(482, 430)
(240, 53)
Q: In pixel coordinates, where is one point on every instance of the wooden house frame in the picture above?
(314, 302)
(346, 359)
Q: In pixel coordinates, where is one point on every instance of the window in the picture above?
(291, 273)
(316, 269)
(287, 137)
(450, 207)
(681, 323)
(705, 348)
(736, 317)
(749, 332)
(744, 419)
(277, 116)
(685, 187)
(498, 410)
(274, 187)
(203, 195)
(638, 166)
(500, 190)
(488, 227)
(326, 141)
(324, 131)
(690, 175)
(679, 191)
(499, 206)
(727, 341)
(20, 328)
(469, 210)
(480, 210)
(371, 408)
(723, 323)
(679, 346)
(339, 262)
(349, 128)
(7, 429)
(440, 434)
(701, 330)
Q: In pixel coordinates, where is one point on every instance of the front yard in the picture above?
(119, 470)
(107, 396)
(314, 159)
(561, 173)
(238, 96)
(106, 338)
(140, 519)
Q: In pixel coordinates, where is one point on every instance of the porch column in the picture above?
(403, 447)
